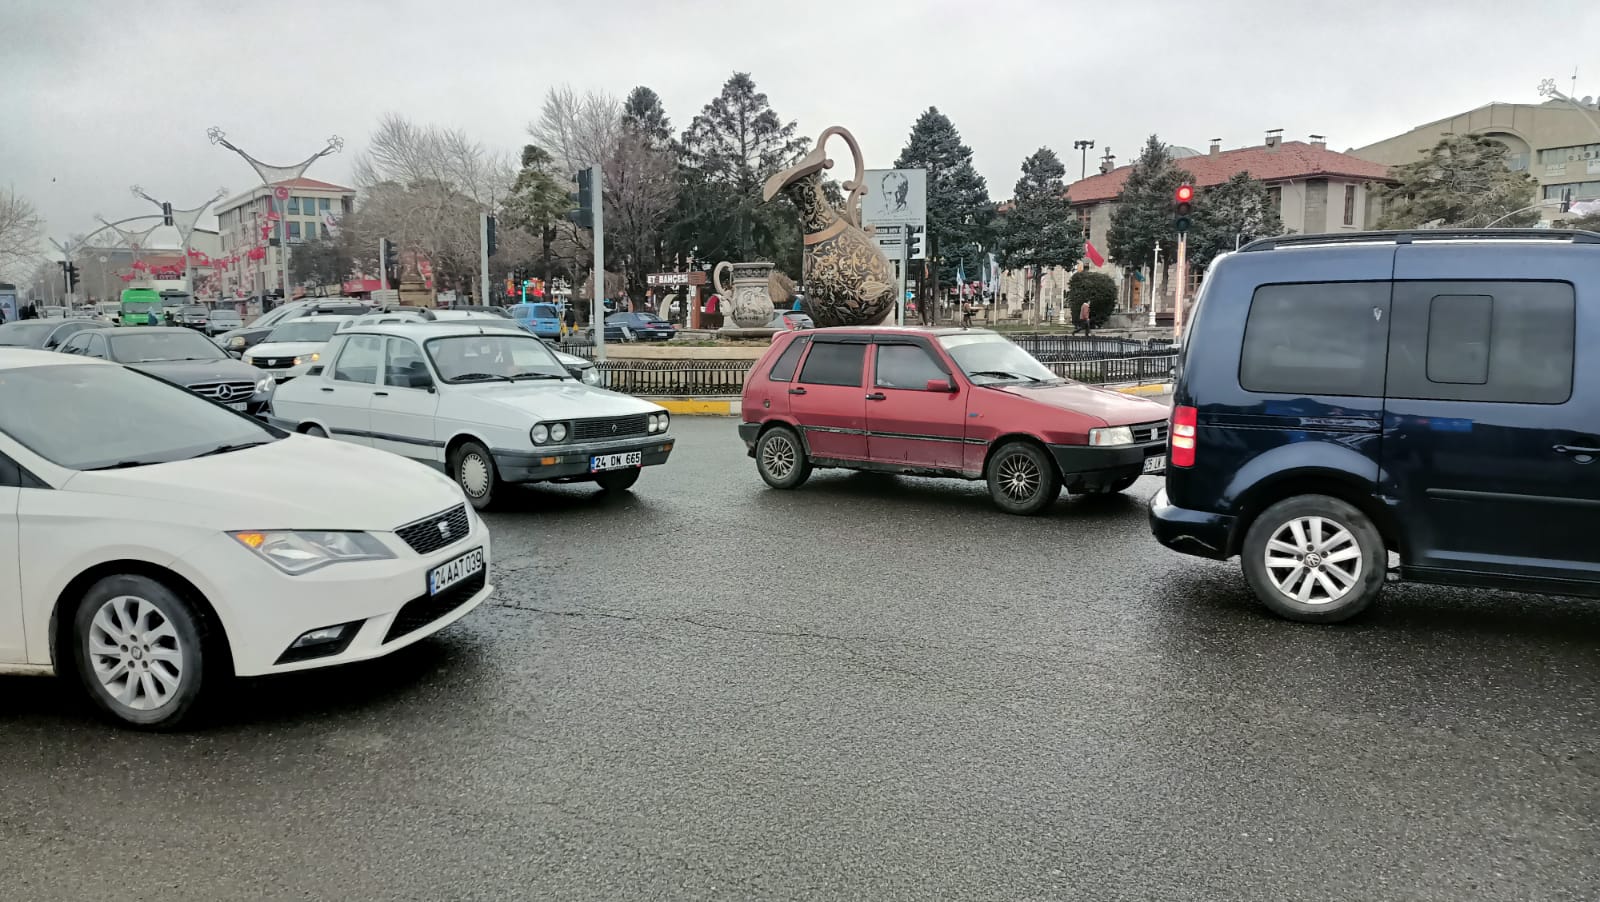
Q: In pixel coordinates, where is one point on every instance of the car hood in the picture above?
(561, 400)
(1116, 408)
(286, 348)
(192, 372)
(296, 483)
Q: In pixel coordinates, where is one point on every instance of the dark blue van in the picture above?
(1343, 397)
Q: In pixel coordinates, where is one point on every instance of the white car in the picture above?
(294, 346)
(487, 406)
(153, 543)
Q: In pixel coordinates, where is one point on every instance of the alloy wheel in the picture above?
(1019, 477)
(1313, 560)
(778, 457)
(135, 653)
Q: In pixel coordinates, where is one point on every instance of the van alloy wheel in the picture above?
(1313, 560)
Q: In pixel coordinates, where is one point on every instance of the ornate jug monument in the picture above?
(848, 280)
(747, 302)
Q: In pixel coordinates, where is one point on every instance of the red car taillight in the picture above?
(1184, 420)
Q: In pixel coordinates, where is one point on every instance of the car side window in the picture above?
(831, 363)
(60, 335)
(96, 347)
(360, 360)
(10, 473)
(1318, 338)
(76, 344)
(783, 370)
(907, 367)
(403, 364)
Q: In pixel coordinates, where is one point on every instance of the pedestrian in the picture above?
(1083, 319)
(569, 322)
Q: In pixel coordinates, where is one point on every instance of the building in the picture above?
(1317, 190)
(313, 209)
(1555, 142)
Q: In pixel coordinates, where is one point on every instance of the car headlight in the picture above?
(308, 358)
(540, 434)
(657, 422)
(236, 342)
(301, 552)
(558, 432)
(265, 385)
(1111, 435)
(591, 375)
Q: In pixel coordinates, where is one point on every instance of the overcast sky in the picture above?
(98, 95)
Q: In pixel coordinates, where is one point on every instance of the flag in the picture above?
(961, 274)
(1093, 254)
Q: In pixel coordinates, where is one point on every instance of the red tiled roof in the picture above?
(1291, 160)
(313, 184)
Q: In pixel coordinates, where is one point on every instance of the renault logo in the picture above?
(444, 529)
(613, 427)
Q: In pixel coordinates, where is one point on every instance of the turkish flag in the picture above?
(1094, 254)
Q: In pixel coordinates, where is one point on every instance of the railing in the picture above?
(1116, 370)
(1047, 347)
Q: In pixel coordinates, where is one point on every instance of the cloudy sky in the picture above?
(98, 95)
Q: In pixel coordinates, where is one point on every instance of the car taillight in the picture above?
(1184, 420)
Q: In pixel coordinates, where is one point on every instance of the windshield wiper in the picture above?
(125, 464)
(1002, 374)
(224, 449)
(477, 377)
(536, 376)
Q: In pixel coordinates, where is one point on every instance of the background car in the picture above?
(41, 334)
(202, 544)
(223, 319)
(542, 319)
(636, 327)
(180, 356)
(790, 320)
(294, 346)
(193, 316)
(237, 341)
(581, 369)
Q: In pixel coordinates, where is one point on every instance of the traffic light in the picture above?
(389, 261)
(915, 236)
(166, 214)
(490, 235)
(1566, 201)
(583, 215)
(1182, 203)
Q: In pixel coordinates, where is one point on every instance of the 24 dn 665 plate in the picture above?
(615, 461)
(449, 573)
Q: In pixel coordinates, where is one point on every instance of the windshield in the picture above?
(25, 335)
(988, 358)
(305, 330)
(148, 347)
(90, 416)
(483, 358)
(544, 311)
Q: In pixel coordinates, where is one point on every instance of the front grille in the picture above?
(1150, 432)
(423, 610)
(224, 391)
(601, 428)
(426, 536)
(274, 363)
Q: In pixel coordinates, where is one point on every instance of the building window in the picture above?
(1275, 199)
(1577, 154)
(1349, 204)
(1580, 190)
(294, 229)
(322, 204)
(294, 205)
(1084, 215)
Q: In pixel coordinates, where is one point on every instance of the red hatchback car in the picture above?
(964, 403)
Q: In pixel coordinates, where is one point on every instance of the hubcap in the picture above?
(474, 475)
(1019, 477)
(778, 457)
(135, 653)
(1313, 560)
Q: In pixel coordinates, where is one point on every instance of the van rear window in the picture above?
(1321, 338)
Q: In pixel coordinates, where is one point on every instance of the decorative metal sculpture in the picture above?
(848, 280)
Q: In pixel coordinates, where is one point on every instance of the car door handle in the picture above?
(325, 388)
(797, 391)
(380, 394)
(877, 396)
(1575, 449)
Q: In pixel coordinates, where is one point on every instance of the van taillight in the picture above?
(1184, 420)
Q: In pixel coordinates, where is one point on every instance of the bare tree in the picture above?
(641, 188)
(578, 131)
(20, 228)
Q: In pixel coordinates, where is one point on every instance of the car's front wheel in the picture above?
(140, 652)
(1315, 559)
(473, 469)
(1023, 479)
(781, 460)
(618, 480)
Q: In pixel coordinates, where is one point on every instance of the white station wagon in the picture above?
(486, 406)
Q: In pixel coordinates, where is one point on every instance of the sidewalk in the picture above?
(729, 407)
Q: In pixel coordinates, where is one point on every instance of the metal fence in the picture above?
(1117, 370)
(1049, 347)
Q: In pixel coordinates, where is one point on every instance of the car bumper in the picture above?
(748, 432)
(567, 461)
(1199, 533)
(1085, 467)
(264, 611)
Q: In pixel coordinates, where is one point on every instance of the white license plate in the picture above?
(448, 574)
(1156, 464)
(239, 405)
(616, 461)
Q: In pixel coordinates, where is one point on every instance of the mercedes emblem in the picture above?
(224, 393)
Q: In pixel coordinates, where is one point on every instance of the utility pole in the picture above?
(599, 314)
(483, 258)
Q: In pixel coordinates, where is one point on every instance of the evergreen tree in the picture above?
(960, 213)
(1462, 181)
(645, 115)
(1143, 214)
(1040, 230)
(1228, 215)
(539, 200)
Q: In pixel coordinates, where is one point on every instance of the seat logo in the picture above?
(444, 530)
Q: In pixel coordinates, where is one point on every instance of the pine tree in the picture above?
(1460, 182)
(1229, 215)
(960, 213)
(538, 201)
(644, 113)
(1040, 230)
(1143, 214)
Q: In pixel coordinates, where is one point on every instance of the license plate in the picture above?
(239, 405)
(448, 574)
(616, 461)
(1156, 464)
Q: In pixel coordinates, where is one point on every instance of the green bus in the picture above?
(140, 306)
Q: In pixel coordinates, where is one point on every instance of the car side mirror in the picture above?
(941, 385)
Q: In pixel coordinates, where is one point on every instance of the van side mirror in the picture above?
(941, 385)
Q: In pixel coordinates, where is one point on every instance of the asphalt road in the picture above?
(872, 688)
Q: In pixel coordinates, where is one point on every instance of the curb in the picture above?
(1160, 388)
(696, 407)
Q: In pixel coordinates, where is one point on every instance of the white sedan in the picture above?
(487, 406)
(294, 346)
(154, 543)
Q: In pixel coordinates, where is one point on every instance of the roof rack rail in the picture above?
(1408, 236)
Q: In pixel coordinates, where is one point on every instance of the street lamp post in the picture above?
(184, 221)
(271, 175)
(1083, 147)
(1547, 88)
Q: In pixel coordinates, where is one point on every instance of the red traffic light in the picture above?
(1185, 194)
